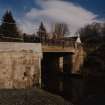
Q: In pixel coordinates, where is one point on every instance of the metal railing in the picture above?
(58, 42)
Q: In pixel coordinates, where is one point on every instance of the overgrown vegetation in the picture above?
(93, 69)
(92, 36)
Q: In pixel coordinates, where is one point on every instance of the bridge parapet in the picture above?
(46, 48)
(59, 42)
(55, 45)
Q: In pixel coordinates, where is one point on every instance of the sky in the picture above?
(75, 13)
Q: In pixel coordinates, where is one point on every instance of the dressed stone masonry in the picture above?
(20, 65)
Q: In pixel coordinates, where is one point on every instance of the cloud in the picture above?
(53, 11)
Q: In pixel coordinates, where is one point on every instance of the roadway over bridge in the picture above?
(59, 46)
(59, 49)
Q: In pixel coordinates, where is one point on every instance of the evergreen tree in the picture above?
(42, 33)
(8, 27)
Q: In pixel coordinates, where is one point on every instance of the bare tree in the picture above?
(60, 30)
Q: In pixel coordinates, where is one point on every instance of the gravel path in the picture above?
(30, 97)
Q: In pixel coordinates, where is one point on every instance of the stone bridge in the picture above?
(25, 65)
(58, 63)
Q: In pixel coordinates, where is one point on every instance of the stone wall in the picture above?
(20, 65)
(78, 59)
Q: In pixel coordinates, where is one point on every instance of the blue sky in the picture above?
(96, 6)
(29, 9)
(21, 6)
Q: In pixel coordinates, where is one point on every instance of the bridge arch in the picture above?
(54, 78)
